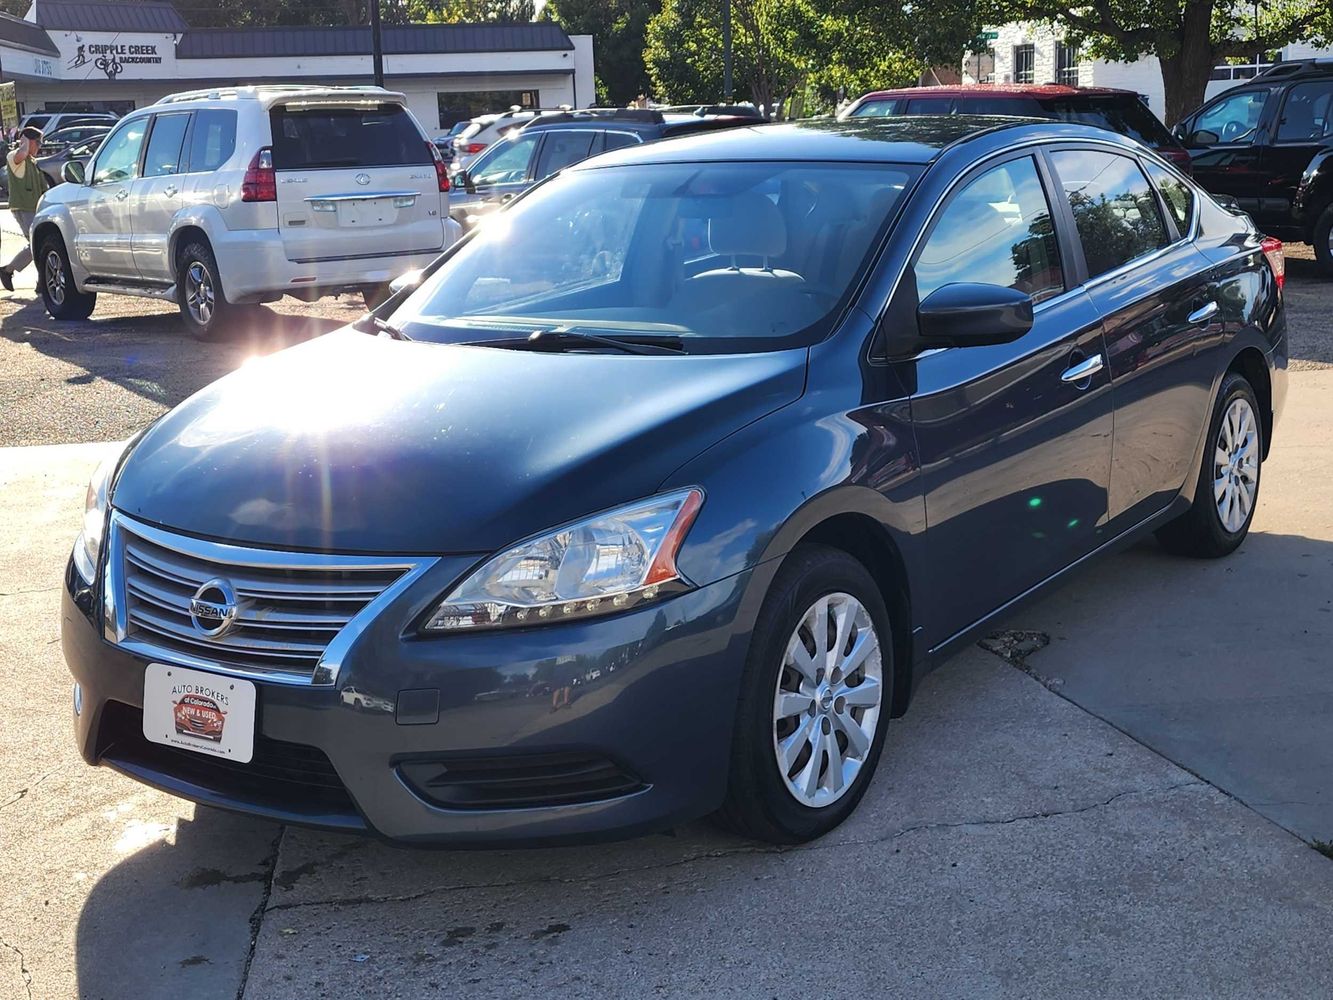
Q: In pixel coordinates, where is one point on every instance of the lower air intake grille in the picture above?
(518, 781)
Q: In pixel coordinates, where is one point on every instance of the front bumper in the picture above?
(652, 692)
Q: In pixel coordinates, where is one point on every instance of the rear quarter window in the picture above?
(314, 138)
(212, 140)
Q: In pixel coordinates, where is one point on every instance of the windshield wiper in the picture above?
(380, 326)
(555, 338)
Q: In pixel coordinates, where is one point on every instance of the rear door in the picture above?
(156, 195)
(354, 180)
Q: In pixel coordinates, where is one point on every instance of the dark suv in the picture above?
(1269, 145)
(555, 140)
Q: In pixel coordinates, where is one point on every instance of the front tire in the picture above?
(55, 280)
(815, 700)
(204, 308)
(1227, 492)
(1323, 241)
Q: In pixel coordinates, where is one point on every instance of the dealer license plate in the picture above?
(199, 711)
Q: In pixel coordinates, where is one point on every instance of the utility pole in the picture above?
(726, 51)
(376, 43)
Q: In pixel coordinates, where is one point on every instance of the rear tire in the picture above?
(1323, 241)
(55, 281)
(1227, 493)
(205, 311)
(808, 736)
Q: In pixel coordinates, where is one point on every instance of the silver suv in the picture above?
(213, 199)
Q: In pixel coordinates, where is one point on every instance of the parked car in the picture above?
(72, 135)
(53, 164)
(1268, 143)
(919, 370)
(552, 141)
(484, 130)
(49, 121)
(214, 199)
(1119, 111)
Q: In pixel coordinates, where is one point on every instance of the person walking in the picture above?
(27, 184)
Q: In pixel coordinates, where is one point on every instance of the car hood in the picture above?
(354, 443)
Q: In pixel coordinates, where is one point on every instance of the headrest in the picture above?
(753, 228)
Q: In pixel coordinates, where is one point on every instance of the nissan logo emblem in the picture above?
(213, 608)
(363, 179)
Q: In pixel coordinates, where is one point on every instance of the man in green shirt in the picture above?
(27, 184)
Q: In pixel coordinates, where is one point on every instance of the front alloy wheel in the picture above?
(53, 275)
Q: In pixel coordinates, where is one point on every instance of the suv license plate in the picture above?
(195, 710)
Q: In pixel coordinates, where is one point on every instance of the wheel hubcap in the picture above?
(199, 293)
(1236, 465)
(55, 277)
(827, 703)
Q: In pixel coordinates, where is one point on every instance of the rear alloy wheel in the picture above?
(62, 298)
(814, 700)
(1323, 241)
(1227, 491)
(203, 304)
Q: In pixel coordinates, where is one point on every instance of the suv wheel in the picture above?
(1323, 241)
(61, 297)
(814, 700)
(199, 293)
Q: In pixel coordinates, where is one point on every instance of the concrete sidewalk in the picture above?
(1011, 844)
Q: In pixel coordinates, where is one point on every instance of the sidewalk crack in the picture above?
(22, 793)
(23, 967)
(270, 866)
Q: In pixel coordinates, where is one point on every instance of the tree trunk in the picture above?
(1185, 75)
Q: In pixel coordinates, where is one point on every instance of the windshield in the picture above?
(1126, 115)
(712, 258)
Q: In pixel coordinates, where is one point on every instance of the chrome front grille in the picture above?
(295, 613)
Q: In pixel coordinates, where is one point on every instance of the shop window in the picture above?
(459, 106)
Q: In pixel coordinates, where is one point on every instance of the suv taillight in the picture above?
(1277, 260)
(261, 181)
(441, 170)
(473, 148)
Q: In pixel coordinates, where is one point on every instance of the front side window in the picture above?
(164, 145)
(879, 107)
(1025, 63)
(1307, 114)
(119, 157)
(1234, 118)
(1114, 208)
(998, 231)
(212, 140)
(713, 258)
(506, 163)
(1178, 195)
(562, 149)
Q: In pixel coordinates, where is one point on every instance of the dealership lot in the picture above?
(1012, 843)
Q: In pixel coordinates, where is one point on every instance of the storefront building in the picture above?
(109, 55)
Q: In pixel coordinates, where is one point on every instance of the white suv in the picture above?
(217, 198)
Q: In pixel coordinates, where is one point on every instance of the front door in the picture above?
(1014, 439)
(1224, 146)
(103, 222)
(501, 174)
(157, 196)
(1304, 129)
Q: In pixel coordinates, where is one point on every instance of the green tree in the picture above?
(1189, 37)
(619, 33)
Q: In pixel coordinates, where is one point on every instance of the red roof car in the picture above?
(1120, 111)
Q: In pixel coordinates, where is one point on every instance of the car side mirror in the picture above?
(967, 314)
(410, 279)
(73, 172)
(1203, 138)
(1179, 132)
(464, 180)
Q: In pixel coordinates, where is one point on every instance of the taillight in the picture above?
(473, 148)
(441, 171)
(261, 181)
(1277, 260)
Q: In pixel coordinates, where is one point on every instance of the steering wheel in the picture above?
(1235, 131)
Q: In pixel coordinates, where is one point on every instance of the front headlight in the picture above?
(88, 546)
(607, 563)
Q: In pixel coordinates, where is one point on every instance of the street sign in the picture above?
(9, 108)
(990, 36)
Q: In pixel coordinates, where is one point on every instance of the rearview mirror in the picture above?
(405, 281)
(967, 314)
(73, 172)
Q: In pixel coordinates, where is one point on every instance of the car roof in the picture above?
(1036, 91)
(914, 139)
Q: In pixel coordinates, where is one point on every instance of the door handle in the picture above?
(1204, 313)
(169, 190)
(1085, 369)
(122, 194)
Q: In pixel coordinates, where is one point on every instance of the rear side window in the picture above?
(1176, 193)
(1306, 115)
(1014, 106)
(930, 106)
(212, 140)
(561, 149)
(1114, 208)
(997, 230)
(380, 136)
(1126, 116)
(164, 145)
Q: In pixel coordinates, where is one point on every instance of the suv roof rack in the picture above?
(254, 92)
(1297, 68)
(645, 115)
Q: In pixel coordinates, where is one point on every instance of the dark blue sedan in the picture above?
(660, 492)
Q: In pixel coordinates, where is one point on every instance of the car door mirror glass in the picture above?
(464, 180)
(966, 314)
(1203, 137)
(72, 172)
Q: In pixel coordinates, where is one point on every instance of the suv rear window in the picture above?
(380, 136)
(1126, 115)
